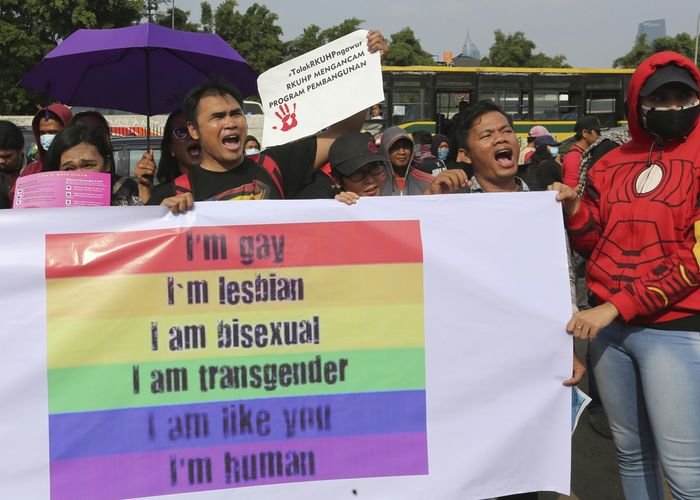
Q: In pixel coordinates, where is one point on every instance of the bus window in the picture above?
(409, 105)
(447, 101)
(513, 102)
(555, 105)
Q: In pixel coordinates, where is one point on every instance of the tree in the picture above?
(405, 50)
(514, 50)
(313, 37)
(31, 28)
(255, 34)
(181, 20)
(207, 17)
(682, 43)
(640, 51)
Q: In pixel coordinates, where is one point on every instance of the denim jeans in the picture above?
(649, 382)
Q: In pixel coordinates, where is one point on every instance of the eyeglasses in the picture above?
(359, 175)
(181, 133)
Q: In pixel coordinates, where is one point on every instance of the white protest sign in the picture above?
(319, 88)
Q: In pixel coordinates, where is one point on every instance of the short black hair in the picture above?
(422, 137)
(190, 106)
(474, 112)
(71, 137)
(10, 136)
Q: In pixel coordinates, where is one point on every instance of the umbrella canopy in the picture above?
(145, 69)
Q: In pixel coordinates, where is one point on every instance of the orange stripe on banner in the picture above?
(233, 247)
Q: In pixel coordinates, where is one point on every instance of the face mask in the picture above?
(252, 151)
(554, 151)
(45, 140)
(670, 124)
(442, 154)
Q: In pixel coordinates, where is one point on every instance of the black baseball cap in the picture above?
(667, 74)
(588, 122)
(546, 139)
(352, 151)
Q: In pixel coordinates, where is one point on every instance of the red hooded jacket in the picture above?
(640, 218)
(65, 116)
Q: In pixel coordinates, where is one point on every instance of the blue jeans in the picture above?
(649, 382)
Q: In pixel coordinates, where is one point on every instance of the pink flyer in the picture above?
(63, 189)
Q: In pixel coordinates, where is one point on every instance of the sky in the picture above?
(590, 33)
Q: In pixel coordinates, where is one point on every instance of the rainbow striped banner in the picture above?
(232, 356)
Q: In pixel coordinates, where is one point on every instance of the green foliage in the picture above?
(207, 17)
(682, 43)
(405, 50)
(181, 20)
(255, 34)
(313, 37)
(513, 50)
(640, 51)
(31, 28)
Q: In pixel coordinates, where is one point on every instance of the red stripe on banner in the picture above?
(233, 247)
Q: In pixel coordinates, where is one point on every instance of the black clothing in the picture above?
(249, 181)
(125, 192)
(467, 167)
(322, 187)
(4, 193)
(540, 175)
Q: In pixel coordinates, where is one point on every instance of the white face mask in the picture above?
(45, 140)
(252, 151)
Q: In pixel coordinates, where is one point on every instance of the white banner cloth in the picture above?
(496, 299)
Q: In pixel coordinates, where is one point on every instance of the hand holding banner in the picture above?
(319, 88)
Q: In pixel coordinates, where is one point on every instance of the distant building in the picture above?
(470, 56)
(652, 29)
(469, 49)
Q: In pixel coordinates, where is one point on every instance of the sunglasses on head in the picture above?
(181, 133)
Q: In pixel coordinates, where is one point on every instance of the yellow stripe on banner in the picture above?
(118, 296)
(79, 342)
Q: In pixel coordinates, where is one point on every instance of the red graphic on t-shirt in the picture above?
(289, 120)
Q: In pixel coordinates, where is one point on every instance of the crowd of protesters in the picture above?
(631, 203)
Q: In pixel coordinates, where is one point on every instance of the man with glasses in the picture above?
(587, 130)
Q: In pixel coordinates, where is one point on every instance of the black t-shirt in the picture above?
(250, 181)
(4, 193)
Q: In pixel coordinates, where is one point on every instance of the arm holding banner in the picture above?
(375, 43)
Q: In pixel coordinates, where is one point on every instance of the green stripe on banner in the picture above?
(331, 372)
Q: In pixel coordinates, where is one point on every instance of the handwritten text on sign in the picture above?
(319, 88)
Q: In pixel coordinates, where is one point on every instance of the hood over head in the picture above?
(390, 136)
(64, 115)
(437, 140)
(644, 71)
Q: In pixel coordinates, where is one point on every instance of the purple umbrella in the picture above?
(145, 69)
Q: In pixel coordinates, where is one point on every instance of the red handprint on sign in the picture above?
(289, 120)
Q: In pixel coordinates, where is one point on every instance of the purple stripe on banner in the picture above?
(75, 435)
(252, 464)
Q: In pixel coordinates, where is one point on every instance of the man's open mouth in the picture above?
(504, 157)
(232, 142)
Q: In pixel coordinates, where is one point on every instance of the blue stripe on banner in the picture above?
(74, 435)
